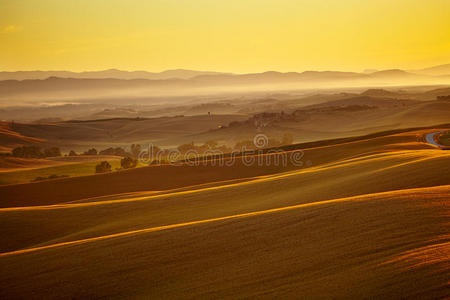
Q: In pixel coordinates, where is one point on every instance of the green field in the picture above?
(72, 170)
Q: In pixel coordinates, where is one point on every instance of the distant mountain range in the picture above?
(111, 73)
(208, 75)
(25, 85)
(434, 71)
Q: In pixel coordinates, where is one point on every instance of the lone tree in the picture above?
(72, 153)
(128, 162)
(103, 167)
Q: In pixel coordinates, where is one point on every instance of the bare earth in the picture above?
(365, 219)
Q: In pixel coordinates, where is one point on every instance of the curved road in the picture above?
(429, 137)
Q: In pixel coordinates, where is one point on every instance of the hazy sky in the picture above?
(228, 35)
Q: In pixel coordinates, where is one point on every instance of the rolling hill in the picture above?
(106, 84)
(347, 116)
(436, 70)
(369, 215)
(111, 73)
(10, 138)
(103, 133)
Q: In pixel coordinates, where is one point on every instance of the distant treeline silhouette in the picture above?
(35, 152)
(118, 151)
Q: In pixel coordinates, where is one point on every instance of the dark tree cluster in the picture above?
(118, 151)
(52, 152)
(287, 139)
(35, 152)
(92, 151)
(443, 98)
(200, 149)
(128, 162)
(103, 167)
(53, 176)
(114, 151)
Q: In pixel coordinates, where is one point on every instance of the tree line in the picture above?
(35, 152)
(38, 152)
(128, 161)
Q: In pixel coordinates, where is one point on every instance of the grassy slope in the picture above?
(167, 177)
(10, 163)
(373, 245)
(69, 169)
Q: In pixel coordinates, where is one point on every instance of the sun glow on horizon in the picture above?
(230, 36)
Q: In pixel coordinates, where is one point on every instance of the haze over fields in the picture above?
(224, 149)
(350, 194)
(115, 85)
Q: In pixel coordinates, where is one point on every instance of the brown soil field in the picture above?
(366, 218)
(165, 177)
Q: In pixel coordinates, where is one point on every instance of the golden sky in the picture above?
(227, 35)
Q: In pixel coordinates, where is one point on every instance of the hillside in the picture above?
(155, 177)
(66, 88)
(10, 138)
(347, 116)
(104, 133)
(307, 118)
(224, 150)
(436, 70)
(111, 73)
(369, 214)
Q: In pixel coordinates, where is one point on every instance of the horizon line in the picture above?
(217, 71)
